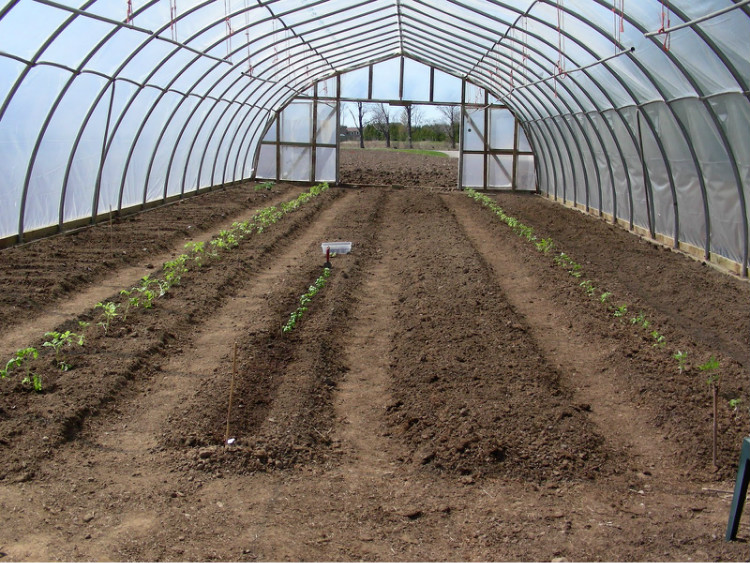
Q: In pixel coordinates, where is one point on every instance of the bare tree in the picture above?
(453, 121)
(411, 117)
(359, 119)
(381, 120)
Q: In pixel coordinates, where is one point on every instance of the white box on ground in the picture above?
(337, 247)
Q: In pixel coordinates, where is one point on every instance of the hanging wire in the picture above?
(228, 21)
(665, 23)
(173, 16)
(560, 39)
(247, 38)
(618, 13)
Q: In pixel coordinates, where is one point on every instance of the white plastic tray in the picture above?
(337, 247)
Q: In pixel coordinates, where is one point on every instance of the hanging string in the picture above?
(173, 16)
(275, 43)
(618, 13)
(228, 21)
(560, 39)
(665, 23)
(129, 18)
(247, 38)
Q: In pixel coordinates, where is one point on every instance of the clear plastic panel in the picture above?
(500, 173)
(734, 112)
(354, 83)
(186, 126)
(217, 121)
(327, 87)
(267, 162)
(76, 41)
(447, 88)
(325, 164)
(144, 149)
(384, 84)
(502, 129)
(296, 163)
(296, 123)
(474, 94)
(19, 36)
(701, 62)
(523, 141)
(663, 205)
(730, 34)
(19, 129)
(602, 159)
(620, 197)
(473, 134)
(623, 124)
(326, 129)
(54, 151)
(525, 173)
(416, 81)
(721, 187)
(473, 171)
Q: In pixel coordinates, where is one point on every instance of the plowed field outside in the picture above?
(450, 394)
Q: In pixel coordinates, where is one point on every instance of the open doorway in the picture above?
(405, 144)
(395, 107)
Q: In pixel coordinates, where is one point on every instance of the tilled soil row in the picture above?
(33, 424)
(677, 403)
(35, 276)
(285, 382)
(472, 392)
(689, 296)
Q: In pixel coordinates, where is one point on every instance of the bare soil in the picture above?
(451, 394)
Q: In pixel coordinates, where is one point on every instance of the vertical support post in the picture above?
(486, 143)
(515, 154)
(278, 145)
(314, 140)
(740, 491)
(401, 80)
(461, 136)
(338, 121)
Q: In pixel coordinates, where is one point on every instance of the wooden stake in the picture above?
(716, 401)
(231, 393)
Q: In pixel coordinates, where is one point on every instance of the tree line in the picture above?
(380, 122)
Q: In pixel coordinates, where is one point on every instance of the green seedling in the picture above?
(621, 311)
(604, 297)
(264, 186)
(23, 358)
(174, 269)
(734, 404)
(147, 295)
(197, 251)
(305, 300)
(109, 312)
(641, 320)
(545, 245)
(711, 369)
(60, 340)
(130, 301)
(659, 340)
(588, 287)
(681, 358)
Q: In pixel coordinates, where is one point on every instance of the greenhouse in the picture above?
(377, 279)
